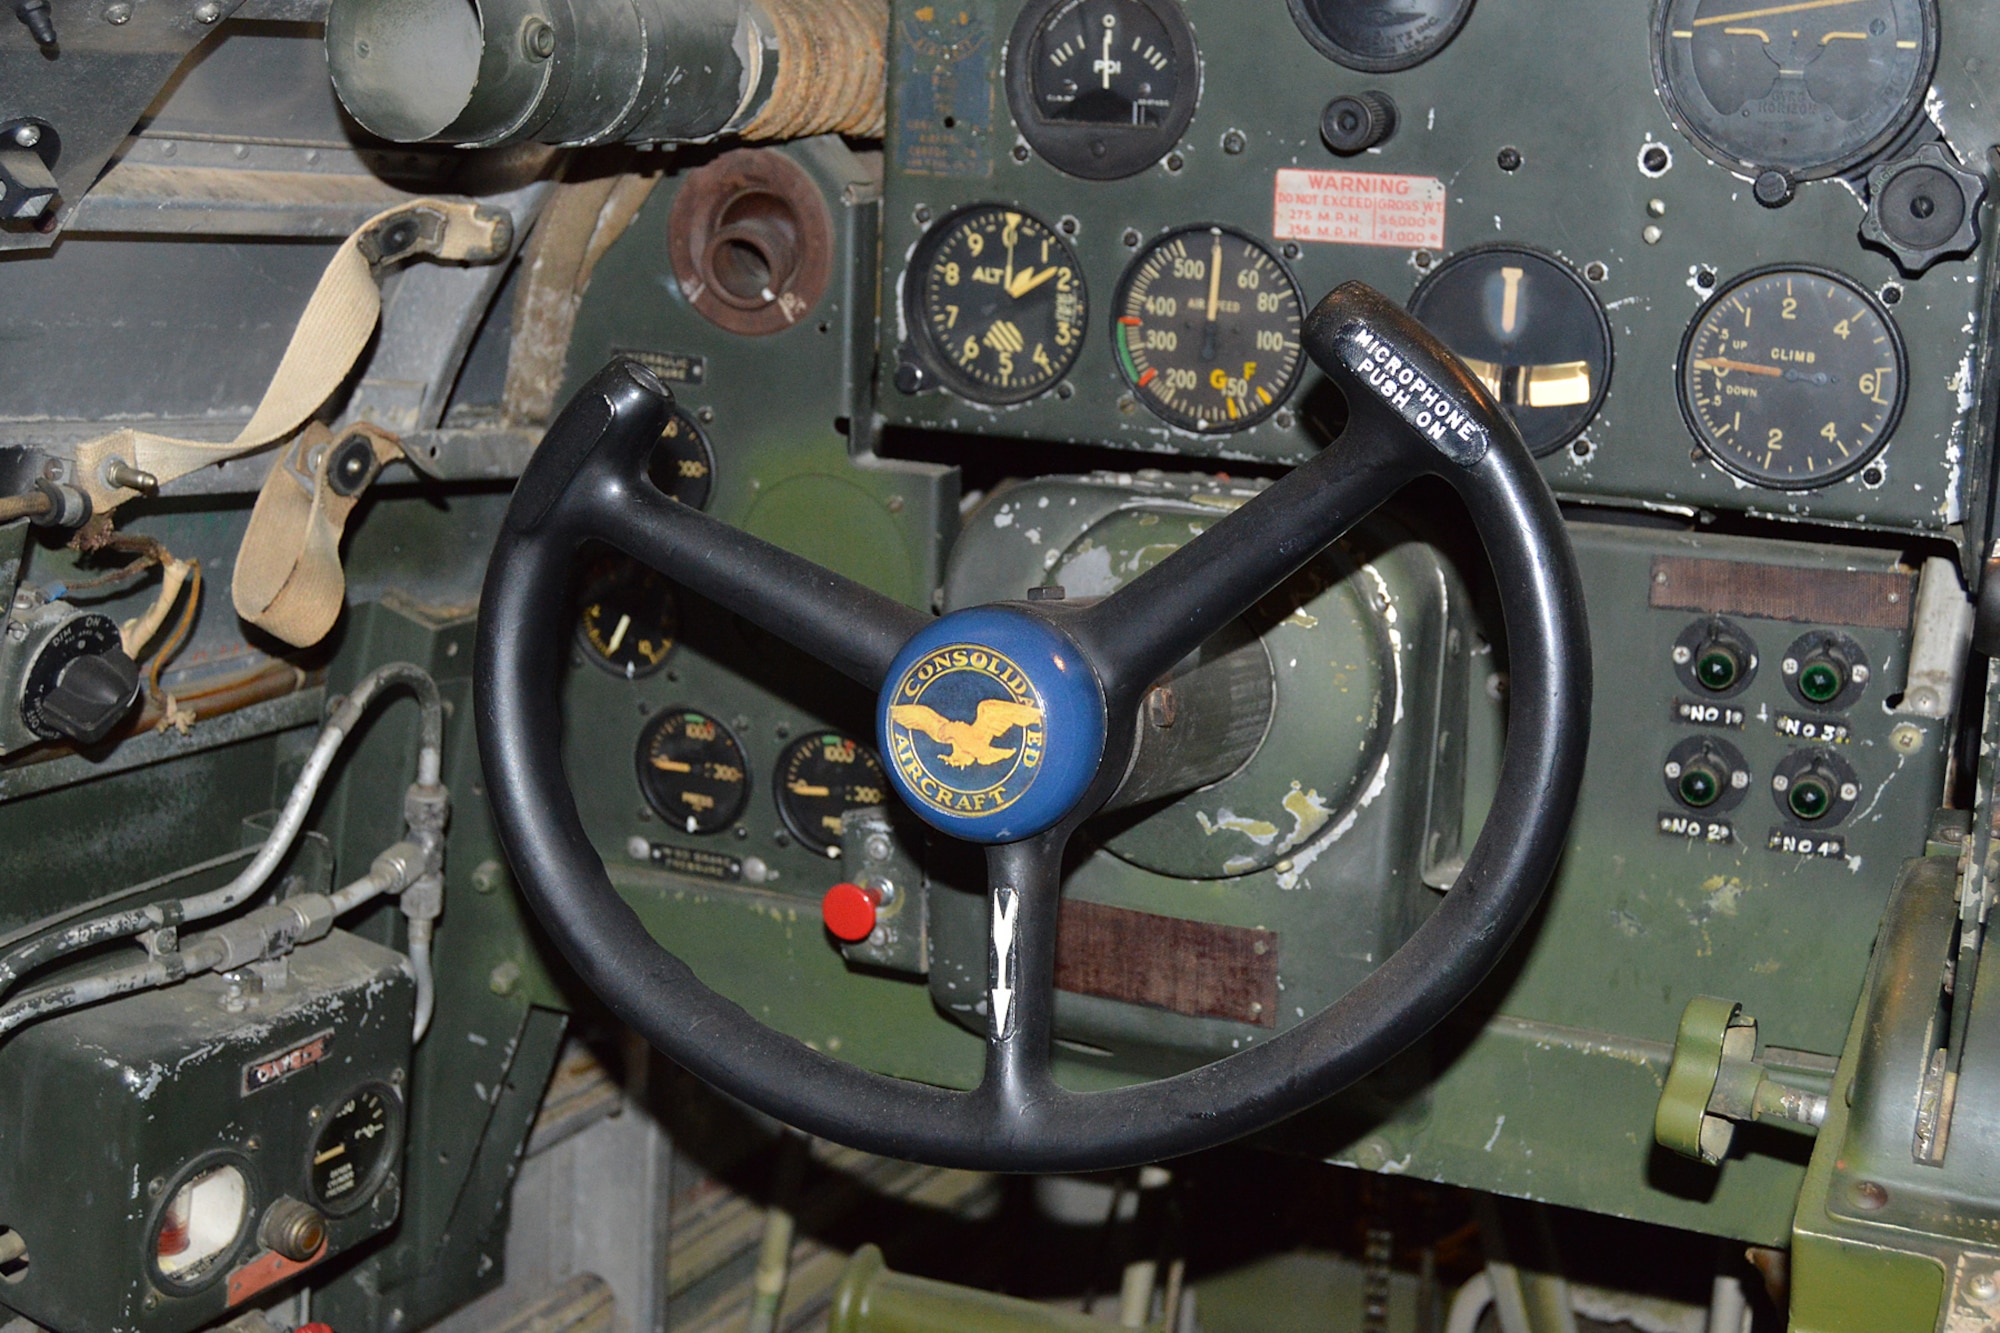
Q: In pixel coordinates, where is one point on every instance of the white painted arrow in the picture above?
(1006, 906)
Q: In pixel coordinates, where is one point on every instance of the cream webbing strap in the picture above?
(288, 575)
(338, 321)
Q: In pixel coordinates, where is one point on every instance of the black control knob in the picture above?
(1923, 208)
(81, 683)
(293, 1229)
(1355, 122)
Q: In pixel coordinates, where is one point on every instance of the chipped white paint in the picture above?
(1498, 1125)
(1300, 862)
(1260, 831)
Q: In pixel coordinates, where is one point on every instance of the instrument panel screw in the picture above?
(208, 13)
(1651, 235)
(1907, 738)
(1869, 1196)
(1130, 240)
(28, 135)
(1656, 208)
(1982, 1287)
(1020, 152)
(1175, 162)
(1233, 142)
(1654, 159)
(1508, 159)
(922, 214)
(118, 14)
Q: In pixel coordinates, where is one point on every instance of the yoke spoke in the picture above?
(855, 630)
(1024, 899)
(1137, 633)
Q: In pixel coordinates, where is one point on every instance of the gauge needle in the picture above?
(1106, 64)
(618, 635)
(666, 765)
(1007, 278)
(1747, 367)
(1214, 278)
(1773, 9)
(1027, 280)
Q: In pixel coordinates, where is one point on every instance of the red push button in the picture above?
(849, 911)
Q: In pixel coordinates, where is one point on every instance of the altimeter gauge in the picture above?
(995, 301)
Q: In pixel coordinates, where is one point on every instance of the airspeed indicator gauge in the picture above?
(1102, 88)
(995, 301)
(1809, 89)
(1207, 329)
(1791, 377)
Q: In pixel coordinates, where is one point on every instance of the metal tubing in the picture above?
(872, 1299)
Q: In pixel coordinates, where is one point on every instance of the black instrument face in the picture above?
(1207, 329)
(996, 302)
(820, 778)
(629, 618)
(1533, 332)
(692, 771)
(1102, 88)
(683, 466)
(354, 1149)
(1792, 377)
(1378, 37)
(1808, 88)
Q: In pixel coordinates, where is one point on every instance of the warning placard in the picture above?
(1358, 208)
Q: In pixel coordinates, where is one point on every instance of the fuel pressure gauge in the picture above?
(1792, 377)
(1102, 88)
(996, 304)
(1207, 329)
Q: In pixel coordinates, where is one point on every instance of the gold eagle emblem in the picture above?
(971, 742)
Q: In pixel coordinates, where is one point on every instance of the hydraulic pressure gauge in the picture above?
(354, 1149)
(1806, 89)
(1378, 38)
(692, 771)
(1791, 377)
(1207, 329)
(1102, 88)
(628, 618)
(995, 300)
(820, 778)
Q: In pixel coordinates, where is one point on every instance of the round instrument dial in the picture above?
(1791, 377)
(683, 464)
(1378, 38)
(1207, 329)
(1808, 89)
(1102, 88)
(820, 778)
(997, 303)
(354, 1149)
(692, 771)
(1532, 331)
(629, 618)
